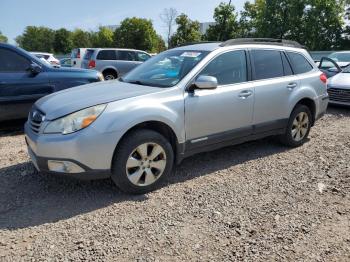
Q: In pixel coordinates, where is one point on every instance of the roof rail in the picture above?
(264, 41)
(197, 43)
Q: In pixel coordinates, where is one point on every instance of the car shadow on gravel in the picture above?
(13, 127)
(30, 199)
(339, 111)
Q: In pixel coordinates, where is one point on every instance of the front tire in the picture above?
(109, 75)
(142, 160)
(299, 126)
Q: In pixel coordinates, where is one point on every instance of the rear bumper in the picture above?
(322, 102)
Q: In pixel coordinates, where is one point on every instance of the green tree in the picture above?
(136, 33)
(81, 39)
(187, 31)
(103, 38)
(159, 45)
(63, 41)
(226, 25)
(37, 39)
(3, 38)
(323, 24)
(316, 24)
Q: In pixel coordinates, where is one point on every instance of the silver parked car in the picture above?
(183, 101)
(113, 63)
(339, 88)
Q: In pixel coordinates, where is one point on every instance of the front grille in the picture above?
(339, 95)
(36, 118)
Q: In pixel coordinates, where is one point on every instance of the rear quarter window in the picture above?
(299, 63)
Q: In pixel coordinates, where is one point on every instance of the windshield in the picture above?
(340, 57)
(166, 69)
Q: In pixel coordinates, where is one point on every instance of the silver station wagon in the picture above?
(183, 101)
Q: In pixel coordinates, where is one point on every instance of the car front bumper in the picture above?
(86, 154)
(339, 96)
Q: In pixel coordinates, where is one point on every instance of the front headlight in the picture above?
(76, 121)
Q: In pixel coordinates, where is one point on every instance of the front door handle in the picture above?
(245, 94)
(292, 85)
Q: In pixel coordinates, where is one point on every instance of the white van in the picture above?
(77, 56)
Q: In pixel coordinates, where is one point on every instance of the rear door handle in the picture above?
(245, 94)
(292, 85)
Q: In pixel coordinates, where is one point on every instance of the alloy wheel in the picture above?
(300, 126)
(146, 164)
(109, 77)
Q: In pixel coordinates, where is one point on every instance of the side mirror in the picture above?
(205, 82)
(34, 69)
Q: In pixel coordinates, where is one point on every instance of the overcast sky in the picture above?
(15, 15)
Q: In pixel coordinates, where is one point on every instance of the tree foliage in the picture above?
(63, 43)
(103, 38)
(187, 31)
(316, 24)
(3, 38)
(81, 38)
(137, 33)
(226, 25)
(37, 39)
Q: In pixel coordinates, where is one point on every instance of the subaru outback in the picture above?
(186, 100)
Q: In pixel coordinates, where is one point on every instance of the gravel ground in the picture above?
(254, 202)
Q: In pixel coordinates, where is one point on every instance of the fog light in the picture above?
(64, 167)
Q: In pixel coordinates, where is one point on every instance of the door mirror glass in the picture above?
(34, 69)
(206, 82)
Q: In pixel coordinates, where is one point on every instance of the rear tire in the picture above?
(142, 160)
(110, 75)
(299, 126)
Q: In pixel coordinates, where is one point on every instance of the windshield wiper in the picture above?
(137, 82)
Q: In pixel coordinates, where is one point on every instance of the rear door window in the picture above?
(126, 55)
(299, 63)
(267, 64)
(10, 61)
(107, 55)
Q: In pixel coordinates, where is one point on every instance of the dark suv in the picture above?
(25, 78)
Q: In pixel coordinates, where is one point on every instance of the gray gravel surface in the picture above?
(254, 202)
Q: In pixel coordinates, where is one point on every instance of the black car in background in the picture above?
(25, 78)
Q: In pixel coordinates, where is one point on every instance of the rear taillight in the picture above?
(323, 78)
(92, 64)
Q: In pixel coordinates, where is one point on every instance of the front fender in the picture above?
(166, 107)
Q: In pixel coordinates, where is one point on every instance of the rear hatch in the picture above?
(87, 58)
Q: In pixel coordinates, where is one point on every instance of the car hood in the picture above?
(74, 99)
(341, 80)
